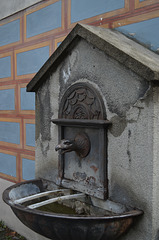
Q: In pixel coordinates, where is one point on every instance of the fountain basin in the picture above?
(71, 226)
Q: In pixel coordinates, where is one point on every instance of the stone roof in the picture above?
(131, 54)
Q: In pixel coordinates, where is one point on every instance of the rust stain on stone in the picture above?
(94, 168)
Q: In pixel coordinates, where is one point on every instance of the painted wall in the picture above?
(28, 38)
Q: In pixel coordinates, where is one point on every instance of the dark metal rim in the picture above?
(130, 214)
(6, 199)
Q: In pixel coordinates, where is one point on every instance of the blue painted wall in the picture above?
(27, 100)
(58, 44)
(146, 32)
(31, 61)
(30, 134)
(8, 164)
(28, 169)
(10, 32)
(82, 9)
(10, 132)
(7, 101)
(44, 20)
(5, 67)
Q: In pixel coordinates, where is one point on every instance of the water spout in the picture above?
(81, 145)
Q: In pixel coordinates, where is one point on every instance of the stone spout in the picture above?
(66, 146)
(81, 145)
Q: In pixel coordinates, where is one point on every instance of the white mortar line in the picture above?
(36, 205)
(42, 194)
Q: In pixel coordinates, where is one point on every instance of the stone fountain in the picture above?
(93, 153)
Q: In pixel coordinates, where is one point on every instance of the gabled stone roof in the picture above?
(126, 51)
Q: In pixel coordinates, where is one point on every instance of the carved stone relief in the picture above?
(81, 101)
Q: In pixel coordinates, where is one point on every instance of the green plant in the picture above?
(8, 234)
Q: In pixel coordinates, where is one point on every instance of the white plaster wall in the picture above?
(9, 7)
(155, 196)
(46, 156)
(130, 167)
(7, 215)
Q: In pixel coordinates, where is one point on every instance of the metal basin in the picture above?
(60, 226)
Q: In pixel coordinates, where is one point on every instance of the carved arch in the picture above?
(82, 101)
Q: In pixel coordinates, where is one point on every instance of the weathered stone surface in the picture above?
(10, 7)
